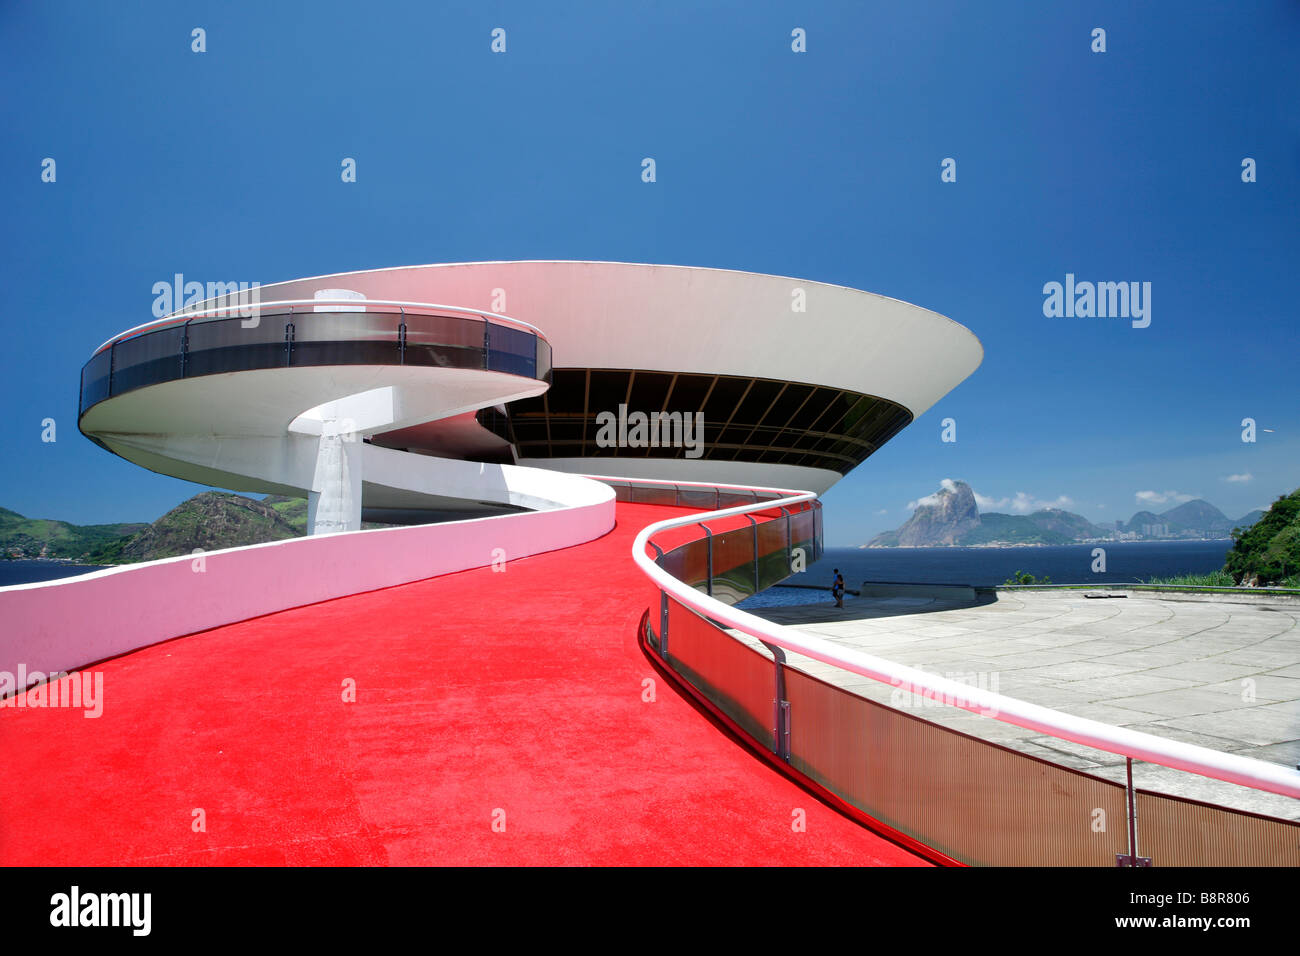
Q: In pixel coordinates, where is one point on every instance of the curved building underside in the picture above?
(408, 394)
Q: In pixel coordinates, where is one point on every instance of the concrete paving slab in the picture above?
(1131, 685)
(1079, 670)
(1165, 666)
(1186, 703)
(1246, 724)
(1263, 687)
(1211, 741)
(1206, 670)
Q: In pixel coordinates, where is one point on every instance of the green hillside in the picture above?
(1269, 551)
(22, 537)
(292, 510)
(1010, 529)
(209, 521)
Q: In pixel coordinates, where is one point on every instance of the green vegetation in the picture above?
(209, 522)
(1268, 552)
(1024, 577)
(1215, 579)
(1265, 554)
(292, 510)
(43, 538)
(1011, 529)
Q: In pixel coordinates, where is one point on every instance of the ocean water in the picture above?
(29, 572)
(1127, 562)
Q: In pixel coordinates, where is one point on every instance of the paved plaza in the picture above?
(1223, 673)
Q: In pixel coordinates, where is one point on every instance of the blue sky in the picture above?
(1115, 166)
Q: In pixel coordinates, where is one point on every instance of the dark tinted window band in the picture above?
(764, 421)
(281, 339)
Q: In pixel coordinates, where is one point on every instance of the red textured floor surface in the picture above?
(513, 697)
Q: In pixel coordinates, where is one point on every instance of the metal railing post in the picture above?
(663, 624)
(1130, 805)
(780, 706)
(754, 529)
(185, 345)
(401, 337)
(817, 530)
(709, 541)
(789, 544)
(288, 344)
(663, 606)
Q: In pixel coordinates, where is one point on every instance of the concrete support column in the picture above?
(334, 503)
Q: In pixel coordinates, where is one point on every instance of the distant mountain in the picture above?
(1069, 525)
(951, 517)
(1197, 515)
(1195, 518)
(1247, 520)
(939, 520)
(211, 521)
(997, 528)
(1143, 519)
(208, 521)
(22, 537)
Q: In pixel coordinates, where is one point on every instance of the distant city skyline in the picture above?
(961, 158)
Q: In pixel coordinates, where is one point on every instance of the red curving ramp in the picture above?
(478, 694)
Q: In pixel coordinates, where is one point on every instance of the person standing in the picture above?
(837, 588)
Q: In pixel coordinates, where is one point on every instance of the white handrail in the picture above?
(691, 484)
(241, 309)
(1244, 771)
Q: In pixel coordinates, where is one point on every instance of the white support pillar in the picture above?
(334, 503)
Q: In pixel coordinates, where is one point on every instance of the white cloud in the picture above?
(1162, 497)
(1024, 504)
(947, 485)
(990, 504)
(1240, 478)
(883, 511)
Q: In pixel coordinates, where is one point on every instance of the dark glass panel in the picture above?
(565, 394)
(832, 410)
(608, 391)
(528, 430)
(422, 330)
(147, 359)
(95, 379)
(732, 435)
(788, 403)
(757, 402)
(230, 345)
(571, 429)
(511, 350)
(346, 338)
(347, 327)
(726, 396)
(812, 409)
(649, 389)
(689, 392)
(566, 451)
